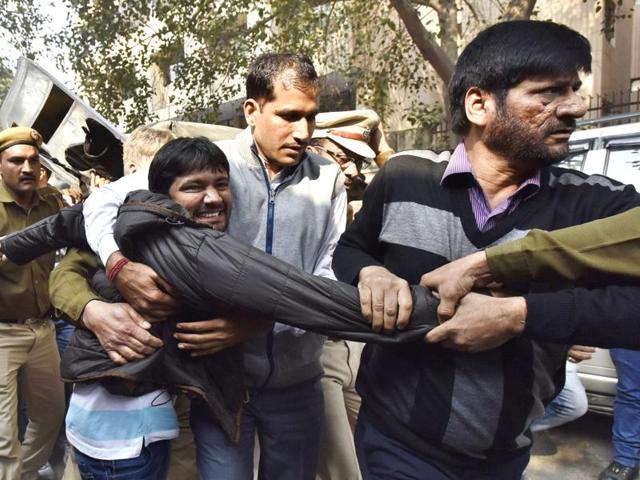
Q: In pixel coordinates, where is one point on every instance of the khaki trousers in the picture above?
(182, 465)
(340, 360)
(29, 352)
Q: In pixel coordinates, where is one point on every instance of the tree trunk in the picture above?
(429, 49)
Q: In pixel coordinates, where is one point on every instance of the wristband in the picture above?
(115, 270)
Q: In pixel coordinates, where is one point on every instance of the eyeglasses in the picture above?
(341, 158)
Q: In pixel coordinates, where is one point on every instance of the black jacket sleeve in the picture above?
(608, 316)
(64, 229)
(603, 317)
(218, 272)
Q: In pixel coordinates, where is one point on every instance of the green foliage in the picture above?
(6, 75)
(199, 50)
(203, 49)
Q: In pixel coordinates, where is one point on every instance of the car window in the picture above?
(623, 164)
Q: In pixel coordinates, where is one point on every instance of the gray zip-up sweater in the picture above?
(298, 217)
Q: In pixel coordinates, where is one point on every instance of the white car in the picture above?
(614, 152)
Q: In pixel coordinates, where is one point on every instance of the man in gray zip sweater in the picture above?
(291, 204)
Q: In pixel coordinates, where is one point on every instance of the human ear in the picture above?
(251, 108)
(479, 106)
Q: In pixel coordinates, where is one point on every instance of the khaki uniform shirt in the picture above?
(609, 246)
(70, 283)
(24, 290)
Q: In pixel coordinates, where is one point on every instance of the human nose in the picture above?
(350, 169)
(27, 167)
(212, 196)
(574, 106)
(303, 129)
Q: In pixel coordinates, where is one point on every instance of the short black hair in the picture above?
(507, 53)
(268, 67)
(182, 156)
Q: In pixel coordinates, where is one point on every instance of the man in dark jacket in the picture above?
(455, 414)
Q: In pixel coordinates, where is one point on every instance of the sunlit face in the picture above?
(537, 118)
(206, 195)
(349, 162)
(20, 169)
(282, 126)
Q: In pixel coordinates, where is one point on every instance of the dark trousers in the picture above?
(383, 458)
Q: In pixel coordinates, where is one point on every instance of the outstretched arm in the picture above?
(597, 251)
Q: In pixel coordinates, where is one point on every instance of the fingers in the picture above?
(377, 309)
(578, 353)
(385, 299)
(116, 358)
(438, 334)
(197, 339)
(365, 301)
(405, 307)
(166, 287)
(202, 326)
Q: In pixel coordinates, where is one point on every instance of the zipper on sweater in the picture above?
(269, 249)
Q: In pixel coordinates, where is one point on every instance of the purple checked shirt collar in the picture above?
(485, 217)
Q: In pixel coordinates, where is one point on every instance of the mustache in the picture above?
(26, 176)
(300, 145)
(564, 125)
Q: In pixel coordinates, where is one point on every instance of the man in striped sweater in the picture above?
(460, 405)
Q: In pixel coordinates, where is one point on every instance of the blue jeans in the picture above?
(151, 464)
(288, 422)
(384, 458)
(626, 408)
(64, 331)
(570, 404)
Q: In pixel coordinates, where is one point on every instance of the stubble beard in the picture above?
(521, 145)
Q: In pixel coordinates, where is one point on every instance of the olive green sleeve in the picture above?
(70, 283)
(610, 246)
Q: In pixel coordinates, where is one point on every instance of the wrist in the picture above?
(86, 317)
(371, 270)
(517, 314)
(113, 259)
(115, 268)
(478, 269)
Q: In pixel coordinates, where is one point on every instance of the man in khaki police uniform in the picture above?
(351, 139)
(28, 352)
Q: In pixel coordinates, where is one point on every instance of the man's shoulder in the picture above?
(416, 165)
(561, 177)
(422, 155)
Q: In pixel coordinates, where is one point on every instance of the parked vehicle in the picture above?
(614, 152)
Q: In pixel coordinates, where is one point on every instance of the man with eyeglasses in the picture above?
(351, 139)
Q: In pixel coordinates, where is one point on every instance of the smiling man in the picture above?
(464, 401)
(292, 205)
(28, 352)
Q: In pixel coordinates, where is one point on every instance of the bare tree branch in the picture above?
(430, 50)
(473, 11)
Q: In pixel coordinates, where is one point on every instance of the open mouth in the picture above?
(210, 215)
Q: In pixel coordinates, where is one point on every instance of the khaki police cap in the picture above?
(19, 136)
(351, 129)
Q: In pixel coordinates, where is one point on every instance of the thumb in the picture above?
(446, 310)
(438, 334)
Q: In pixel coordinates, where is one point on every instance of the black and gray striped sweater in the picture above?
(465, 407)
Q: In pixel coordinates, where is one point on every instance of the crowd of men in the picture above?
(457, 404)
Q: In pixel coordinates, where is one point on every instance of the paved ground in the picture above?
(576, 451)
